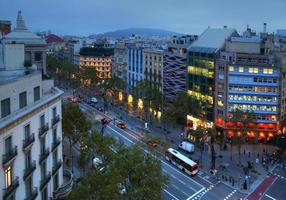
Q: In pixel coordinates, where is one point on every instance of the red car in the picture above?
(121, 125)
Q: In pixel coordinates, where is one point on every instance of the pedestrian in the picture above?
(249, 154)
(244, 152)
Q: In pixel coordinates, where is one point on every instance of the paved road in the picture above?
(277, 190)
(181, 186)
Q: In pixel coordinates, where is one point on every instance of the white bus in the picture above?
(181, 161)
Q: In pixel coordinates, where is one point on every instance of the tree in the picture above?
(151, 96)
(74, 124)
(242, 124)
(127, 173)
(110, 86)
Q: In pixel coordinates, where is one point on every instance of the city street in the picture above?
(181, 186)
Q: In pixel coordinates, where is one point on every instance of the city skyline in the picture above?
(189, 17)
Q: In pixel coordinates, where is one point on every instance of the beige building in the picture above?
(153, 66)
(98, 58)
(30, 124)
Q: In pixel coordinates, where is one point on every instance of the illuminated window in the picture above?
(231, 68)
(255, 70)
(267, 71)
(240, 69)
(8, 176)
(250, 70)
(220, 103)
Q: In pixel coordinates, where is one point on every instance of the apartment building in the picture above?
(119, 67)
(153, 66)
(30, 123)
(97, 57)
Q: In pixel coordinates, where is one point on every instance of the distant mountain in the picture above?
(143, 32)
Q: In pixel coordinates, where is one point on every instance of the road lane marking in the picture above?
(270, 197)
(181, 181)
(175, 169)
(170, 194)
(195, 194)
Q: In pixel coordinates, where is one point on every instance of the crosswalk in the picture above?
(198, 196)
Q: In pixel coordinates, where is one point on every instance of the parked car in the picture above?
(187, 146)
(121, 125)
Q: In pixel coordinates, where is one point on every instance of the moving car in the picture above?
(93, 100)
(187, 146)
(121, 125)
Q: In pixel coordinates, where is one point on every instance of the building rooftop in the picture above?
(22, 35)
(100, 52)
(51, 38)
(211, 40)
(253, 39)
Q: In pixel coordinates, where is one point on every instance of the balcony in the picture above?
(56, 167)
(56, 143)
(10, 156)
(55, 120)
(45, 180)
(43, 130)
(27, 143)
(44, 154)
(33, 194)
(66, 187)
(10, 190)
(29, 170)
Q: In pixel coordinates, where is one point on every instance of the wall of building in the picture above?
(13, 56)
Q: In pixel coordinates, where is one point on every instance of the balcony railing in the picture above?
(56, 166)
(28, 141)
(33, 194)
(43, 129)
(44, 154)
(29, 169)
(9, 156)
(55, 120)
(56, 143)
(45, 180)
(66, 187)
(7, 192)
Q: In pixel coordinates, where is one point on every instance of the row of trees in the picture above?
(124, 172)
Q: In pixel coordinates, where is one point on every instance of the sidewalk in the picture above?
(232, 175)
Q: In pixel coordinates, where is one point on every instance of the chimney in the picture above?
(264, 27)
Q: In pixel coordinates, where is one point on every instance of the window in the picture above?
(8, 144)
(231, 68)
(28, 187)
(255, 70)
(240, 69)
(27, 131)
(28, 159)
(55, 134)
(8, 176)
(56, 181)
(23, 99)
(220, 103)
(42, 121)
(221, 76)
(5, 107)
(55, 157)
(54, 112)
(44, 194)
(267, 71)
(38, 56)
(250, 70)
(36, 93)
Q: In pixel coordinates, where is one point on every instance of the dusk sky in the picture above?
(84, 17)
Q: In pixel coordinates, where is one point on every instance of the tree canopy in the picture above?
(125, 173)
